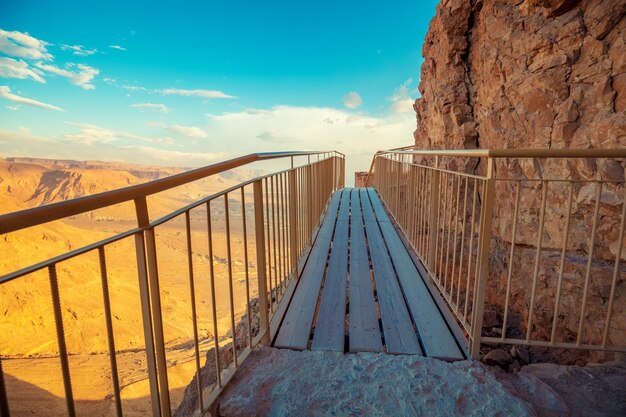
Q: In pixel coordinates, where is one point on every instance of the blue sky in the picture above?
(188, 83)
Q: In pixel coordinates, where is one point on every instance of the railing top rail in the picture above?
(514, 153)
(22, 219)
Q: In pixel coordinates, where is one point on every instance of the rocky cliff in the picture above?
(533, 73)
(536, 74)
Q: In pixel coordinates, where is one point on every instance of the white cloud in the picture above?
(11, 68)
(23, 45)
(79, 50)
(321, 128)
(13, 107)
(89, 134)
(188, 131)
(275, 137)
(151, 106)
(120, 48)
(196, 93)
(82, 77)
(23, 142)
(5, 92)
(401, 101)
(352, 100)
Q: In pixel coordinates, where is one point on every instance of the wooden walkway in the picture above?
(360, 290)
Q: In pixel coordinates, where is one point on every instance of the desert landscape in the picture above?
(29, 346)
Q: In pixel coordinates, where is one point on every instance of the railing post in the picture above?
(264, 319)
(143, 221)
(483, 262)
(433, 216)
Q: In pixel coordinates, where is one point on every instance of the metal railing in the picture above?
(285, 212)
(541, 250)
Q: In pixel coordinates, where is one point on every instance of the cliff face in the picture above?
(533, 73)
(537, 74)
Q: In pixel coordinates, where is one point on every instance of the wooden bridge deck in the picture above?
(360, 290)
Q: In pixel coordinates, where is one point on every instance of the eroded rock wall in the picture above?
(537, 74)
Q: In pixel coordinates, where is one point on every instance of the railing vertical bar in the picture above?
(293, 221)
(557, 300)
(446, 204)
(592, 240)
(450, 217)
(264, 322)
(58, 321)
(229, 261)
(157, 320)
(411, 201)
(618, 258)
(277, 271)
(456, 234)
(542, 215)
(480, 284)
(433, 220)
(213, 298)
(471, 246)
(109, 326)
(194, 315)
(511, 258)
(268, 253)
(458, 286)
(4, 402)
(144, 294)
(246, 262)
(286, 227)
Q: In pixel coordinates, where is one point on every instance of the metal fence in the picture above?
(529, 237)
(276, 215)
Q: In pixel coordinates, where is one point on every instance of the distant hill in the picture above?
(26, 320)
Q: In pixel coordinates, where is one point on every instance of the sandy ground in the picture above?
(279, 382)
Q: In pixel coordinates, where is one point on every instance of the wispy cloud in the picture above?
(196, 93)
(120, 48)
(5, 92)
(401, 101)
(275, 137)
(11, 68)
(22, 45)
(151, 106)
(89, 134)
(79, 50)
(188, 131)
(352, 100)
(78, 74)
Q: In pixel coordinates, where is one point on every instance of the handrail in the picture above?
(287, 206)
(500, 153)
(11, 222)
(446, 215)
(514, 153)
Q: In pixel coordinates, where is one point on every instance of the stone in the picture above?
(498, 357)
(490, 319)
(521, 353)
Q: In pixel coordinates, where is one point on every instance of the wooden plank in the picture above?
(435, 336)
(296, 327)
(364, 335)
(400, 336)
(329, 330)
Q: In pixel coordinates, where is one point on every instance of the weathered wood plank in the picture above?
(329, 329)
(436, 338)
(364, 332)
(296, 327)
(400, 336)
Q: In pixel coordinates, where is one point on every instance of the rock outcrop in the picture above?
(537, 74)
